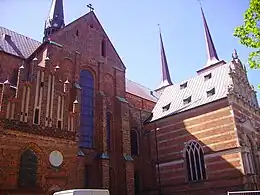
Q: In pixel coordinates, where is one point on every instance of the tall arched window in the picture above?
(134, 143)
(194, 160)
(249, 157)
(28, 169)
(108, 129)
(87, 109)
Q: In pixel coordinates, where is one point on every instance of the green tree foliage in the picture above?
(249, 33)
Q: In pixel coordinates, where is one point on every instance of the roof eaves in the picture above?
(17, 56)
(177, 112)
(35, 51)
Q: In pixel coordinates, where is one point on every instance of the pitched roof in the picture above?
(22, 46)
(141, 91)
(17, 44)
(197, 87)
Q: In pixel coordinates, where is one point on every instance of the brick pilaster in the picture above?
(126, 146)
(102, 144)
(105, 173)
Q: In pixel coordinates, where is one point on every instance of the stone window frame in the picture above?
(247, 156)
(250, 153)
(191, 168)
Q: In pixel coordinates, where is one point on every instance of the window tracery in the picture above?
(194, 160)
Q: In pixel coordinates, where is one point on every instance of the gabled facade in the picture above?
(67, 110)
(70, 119)
(204, 131)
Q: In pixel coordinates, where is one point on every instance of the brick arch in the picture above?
(42, 165)
(109, 84)
(93, 72)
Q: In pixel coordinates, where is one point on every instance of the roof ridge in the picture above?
(198, 75)
(19, 34)
(140, 84)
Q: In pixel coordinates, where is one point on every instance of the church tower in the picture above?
(55, 19)
(166, 78)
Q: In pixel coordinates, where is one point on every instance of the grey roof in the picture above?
(197, 89)
(141, 91)
(17, 44)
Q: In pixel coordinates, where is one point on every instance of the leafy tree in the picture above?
(249, 33)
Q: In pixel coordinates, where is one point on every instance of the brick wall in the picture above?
(139, 102)
(15, 142)
(8, 67)
(72, 54)
(247, 123)
(213, 127)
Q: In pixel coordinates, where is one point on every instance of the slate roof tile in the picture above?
(141, 91)
(197, 88)
(17, 44)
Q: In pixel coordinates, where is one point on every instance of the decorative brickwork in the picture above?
(41, 109)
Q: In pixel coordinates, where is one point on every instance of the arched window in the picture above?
(87, 109)
(108, 129)
(28, 169)
(134, 143)
(249, 157)
(103, 48)
(194, 160)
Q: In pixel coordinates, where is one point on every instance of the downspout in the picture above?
(157, 159)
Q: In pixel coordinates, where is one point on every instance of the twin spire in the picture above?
(211, 52)
(55, 19)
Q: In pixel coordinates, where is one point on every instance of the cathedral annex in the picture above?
(71, 119)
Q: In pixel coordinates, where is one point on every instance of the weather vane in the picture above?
(90, 7)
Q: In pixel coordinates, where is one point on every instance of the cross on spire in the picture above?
(90, 7)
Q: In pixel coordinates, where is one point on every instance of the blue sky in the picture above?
(132, 28)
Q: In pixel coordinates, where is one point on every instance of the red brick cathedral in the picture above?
(70, 119)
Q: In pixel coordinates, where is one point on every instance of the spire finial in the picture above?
(212, 54)
(234, 54)
(166, 79)
(55, 20)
